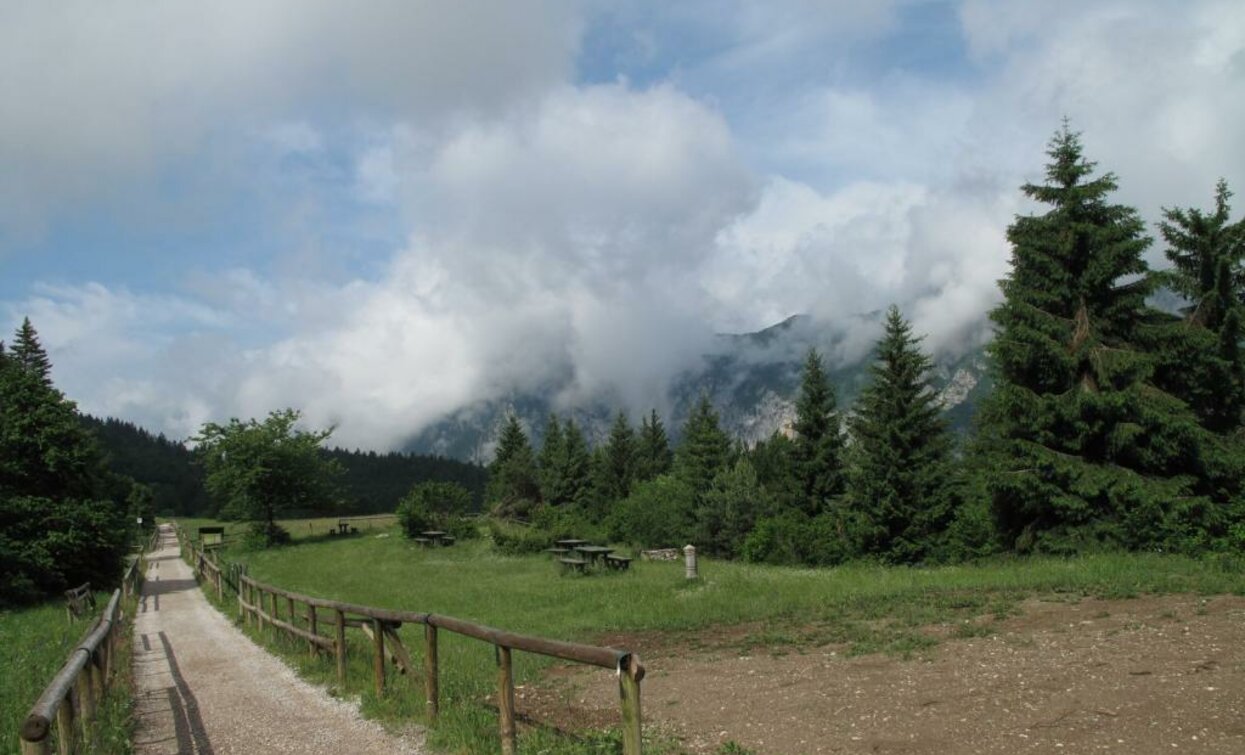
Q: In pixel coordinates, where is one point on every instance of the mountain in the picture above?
(751, 378)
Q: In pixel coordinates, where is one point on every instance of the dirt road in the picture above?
(203, 687)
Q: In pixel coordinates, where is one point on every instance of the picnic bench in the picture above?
(558, 552)
(621, 563)
(593, 553)
(578, 564)
(79, 601)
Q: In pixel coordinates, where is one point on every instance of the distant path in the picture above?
(203, 688)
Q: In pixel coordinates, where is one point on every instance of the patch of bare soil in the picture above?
(1144, 675)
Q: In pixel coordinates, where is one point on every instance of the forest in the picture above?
(1112, 424)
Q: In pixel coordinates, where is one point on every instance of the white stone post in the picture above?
(689, 560)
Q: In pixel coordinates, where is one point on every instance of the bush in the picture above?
(657, 514)
(47, 546)
(436, 505)
(569, 521)
(263, 534)
(515, 539)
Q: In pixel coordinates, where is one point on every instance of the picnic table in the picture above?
(434, 537)
(570, 543)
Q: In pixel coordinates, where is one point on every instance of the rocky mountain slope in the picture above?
(751, 378)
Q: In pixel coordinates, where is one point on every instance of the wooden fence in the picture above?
(304, 617)
(75, 692)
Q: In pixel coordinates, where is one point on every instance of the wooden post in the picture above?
(42, 747)
(64, 725)
(629, 676)
(220, 589)
(431, 691)
(290, 604)
(378, 661)
(340, 647)
(312, 647)
(505, 700)
(86, 698)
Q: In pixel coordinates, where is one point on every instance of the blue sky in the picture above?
(381, 213)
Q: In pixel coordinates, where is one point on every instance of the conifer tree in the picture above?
(552, 460)
(513, 486)
(653, 454)
(705, 448)
(29, 354)
(899, 480)
(1200, 358)
(577, 466)
(1082, 447)
(819, 439)
(620, 459)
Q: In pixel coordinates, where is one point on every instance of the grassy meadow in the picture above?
(34, 644)
(867, 608)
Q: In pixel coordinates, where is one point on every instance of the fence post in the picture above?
(689, 560)
(378, 662)
(86, 697)
(64, 725)
(431, 691)
(340, 647)
(505, 700)
(42, 747)
(630, 672)
(312, 648)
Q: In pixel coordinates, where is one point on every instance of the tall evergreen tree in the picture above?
(1200, 358)
(653, 455)
(29, 354)
(899, 480)
(819, 437)
(705, 448)
(577, 466)
(1083, 447)
(552, 460)
(514, 486)
(620, 459)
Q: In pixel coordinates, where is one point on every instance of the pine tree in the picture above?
(620, 453)
(29, 354)
(819, 438)
(552, 461)
(577, 466)
(705, 448)
(1200, 357)
(513, 487)
(653, 454)
(899, 480)
(1082, 448)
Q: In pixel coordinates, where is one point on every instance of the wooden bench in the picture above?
(621, 563)
(558, 552)
(448, 540)
(578, 564)
(79, 601)
(423, 541)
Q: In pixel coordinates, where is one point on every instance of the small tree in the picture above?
(432, 504)
(256, 470)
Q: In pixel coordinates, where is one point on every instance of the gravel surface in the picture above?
(204, 687)
(1156, 674)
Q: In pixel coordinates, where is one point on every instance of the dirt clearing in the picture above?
(1143, 675)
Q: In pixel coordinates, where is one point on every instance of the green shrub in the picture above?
(436, 505)
(513, 538)
(657, 514)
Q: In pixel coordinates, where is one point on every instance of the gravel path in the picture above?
(203, 687)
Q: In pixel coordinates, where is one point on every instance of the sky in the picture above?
(381, 212)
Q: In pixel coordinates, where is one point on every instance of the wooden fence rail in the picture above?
(76, 691)
(303, 617)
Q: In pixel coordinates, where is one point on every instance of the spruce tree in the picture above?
(1082, 447)
(819, 438)
(705, 448)
(1200, 356)
(552, 461)
(899, 481)
(513, 486)
(620, 460)
(29, 354)
(653, 454)
(577, 466)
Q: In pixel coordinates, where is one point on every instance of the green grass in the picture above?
(866, 608)
(34, 644)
